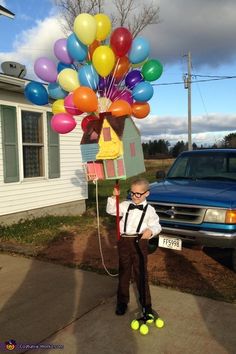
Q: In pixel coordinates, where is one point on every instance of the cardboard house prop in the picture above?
(111, 148)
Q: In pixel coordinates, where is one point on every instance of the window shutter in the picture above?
(10, 144)
(53, 150)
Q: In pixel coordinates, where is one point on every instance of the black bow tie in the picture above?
(133, 206)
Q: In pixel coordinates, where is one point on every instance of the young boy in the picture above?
(139, 222)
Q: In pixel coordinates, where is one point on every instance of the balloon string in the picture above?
(124, 88)
(112, 78)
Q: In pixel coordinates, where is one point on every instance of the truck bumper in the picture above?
(204, 238)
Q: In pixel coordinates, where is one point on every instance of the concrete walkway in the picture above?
(72, 312)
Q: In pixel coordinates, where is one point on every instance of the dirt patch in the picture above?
(189, 270)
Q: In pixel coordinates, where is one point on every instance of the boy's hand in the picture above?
(116, 191)
(146, 234)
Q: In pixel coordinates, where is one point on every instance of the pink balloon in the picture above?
(63, 123)
(60, 51)
(70, 107)
(45, 69)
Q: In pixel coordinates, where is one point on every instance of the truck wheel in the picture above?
(234, 259)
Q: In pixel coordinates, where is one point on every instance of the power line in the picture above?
(196, 81)
(200, 93)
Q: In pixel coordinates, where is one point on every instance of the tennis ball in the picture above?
(134, 325)
(159, 323)
(144, 329)
(151, 318)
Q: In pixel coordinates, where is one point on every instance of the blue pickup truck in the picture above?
(196, 200)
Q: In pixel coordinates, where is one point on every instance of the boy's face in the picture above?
(138, 193)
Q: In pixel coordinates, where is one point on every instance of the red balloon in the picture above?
(86, 120)
(120, 41)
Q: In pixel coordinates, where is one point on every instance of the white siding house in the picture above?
(41, 171)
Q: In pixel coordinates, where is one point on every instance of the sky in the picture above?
(206, 28)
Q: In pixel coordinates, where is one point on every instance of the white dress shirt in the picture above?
(150, 221)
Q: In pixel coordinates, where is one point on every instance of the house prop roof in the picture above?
(117, 125)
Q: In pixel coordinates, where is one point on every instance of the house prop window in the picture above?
(106, 134)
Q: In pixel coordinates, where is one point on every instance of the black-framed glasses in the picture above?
(136, 194)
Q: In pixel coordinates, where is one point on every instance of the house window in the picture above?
(39, 144)
(33, 145)
(107, 134)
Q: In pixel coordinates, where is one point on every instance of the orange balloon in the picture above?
(140, 109)
(120, 108)
(122, 67)
(92, 48)
(85, 99)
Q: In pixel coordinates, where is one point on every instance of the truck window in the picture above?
(180, 168)
(205, 165)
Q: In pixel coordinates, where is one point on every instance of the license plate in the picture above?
(170, 242)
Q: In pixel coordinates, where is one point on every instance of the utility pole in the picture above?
(187, 85)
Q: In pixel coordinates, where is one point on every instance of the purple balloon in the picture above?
(126, 96)
(133, 78)
(101, 86)
(113, 93)
(45, 69)
(104, 85)
(60, 51)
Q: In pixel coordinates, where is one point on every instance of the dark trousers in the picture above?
(133, 255)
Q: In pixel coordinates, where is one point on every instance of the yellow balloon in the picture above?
(85, 28)
(58, 107)
(103, 26)
(103, 60)
(68, 79)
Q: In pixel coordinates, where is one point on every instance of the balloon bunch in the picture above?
(95, 74)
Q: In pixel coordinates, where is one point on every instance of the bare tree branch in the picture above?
(133, 14)
(70, 9)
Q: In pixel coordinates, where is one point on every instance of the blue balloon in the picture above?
(88, 76)
(55, 91)
(139, 50)
(61, 66)
(77, 50)
(36, 93)
(142, 92)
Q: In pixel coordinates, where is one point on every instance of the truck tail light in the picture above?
(230, 217)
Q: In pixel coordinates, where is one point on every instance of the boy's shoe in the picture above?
(121, 308)
(149, 310)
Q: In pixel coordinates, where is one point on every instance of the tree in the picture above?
(229, 141)
(133, 14)
(179, 147)
(195, 147)
(155, 147)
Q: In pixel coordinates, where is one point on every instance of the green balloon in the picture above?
(152, 70)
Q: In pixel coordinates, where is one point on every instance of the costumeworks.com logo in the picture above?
(11, 345)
